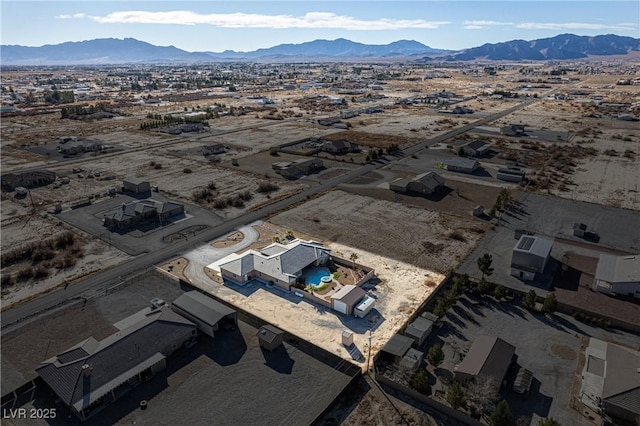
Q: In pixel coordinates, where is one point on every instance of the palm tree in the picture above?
(353, 258)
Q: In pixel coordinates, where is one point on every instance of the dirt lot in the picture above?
(368, 405)
(21, 228)
(459, 199)
(599, 164)
(423, 238)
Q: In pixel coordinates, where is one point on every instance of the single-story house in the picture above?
(206, 312)
(345, 299)
(136, 185)
(277, 263)
(488, 357)
(296, 168)
(92, 374)
(530, 256)
(513, 130)
(141, 211)
(611, 382)
(214, 149)
(340, 146)
(423, 184)
(419, 330)
(476, 148)
(618, 275)
(270, 337)
(461, 165)
(34, 179)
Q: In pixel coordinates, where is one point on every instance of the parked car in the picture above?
(523, 380)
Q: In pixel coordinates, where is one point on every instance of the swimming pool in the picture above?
(315, 274)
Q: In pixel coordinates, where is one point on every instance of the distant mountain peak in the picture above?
(563, 46)
(130, 50)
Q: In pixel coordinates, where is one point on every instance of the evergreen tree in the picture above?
(501, 416)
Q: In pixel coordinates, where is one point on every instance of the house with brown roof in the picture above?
(488, 357)
(611, 382)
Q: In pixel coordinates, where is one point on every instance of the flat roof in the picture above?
(534, 245)
(203, 307)
(365, 303)
(419, 327)
(398, 345)
(618, 269)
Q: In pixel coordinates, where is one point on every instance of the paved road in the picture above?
(107, 278)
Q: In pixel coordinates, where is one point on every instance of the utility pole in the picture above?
(369, 354)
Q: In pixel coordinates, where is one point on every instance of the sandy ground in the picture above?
(408, 234)
(98, 256)
(402, 289)
(403, 286)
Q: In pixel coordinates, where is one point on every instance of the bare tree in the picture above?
(482, 393)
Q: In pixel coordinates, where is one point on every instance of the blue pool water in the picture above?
(315, 273)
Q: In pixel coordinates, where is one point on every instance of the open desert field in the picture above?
(598, 164)
(424, 238)
(49, 262)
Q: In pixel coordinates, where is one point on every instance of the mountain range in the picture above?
(563, 46)
(129, 50)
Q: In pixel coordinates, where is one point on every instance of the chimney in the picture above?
(86, 370)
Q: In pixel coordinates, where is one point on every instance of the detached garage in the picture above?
(345, 299)
(136, 185)
(206, 312)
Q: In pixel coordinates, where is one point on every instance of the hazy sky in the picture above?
(248, 25)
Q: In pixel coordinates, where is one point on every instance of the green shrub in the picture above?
(420, 381)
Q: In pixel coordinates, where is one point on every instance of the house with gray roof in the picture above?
(279, 264)
(618, 275)
(461, 165)
(422, 184)
(204, 311)
(530, 256)
(611, 382)
(92, 374)
(129, 214)
(476, 148)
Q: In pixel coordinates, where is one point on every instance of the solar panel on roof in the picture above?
(526, 243)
